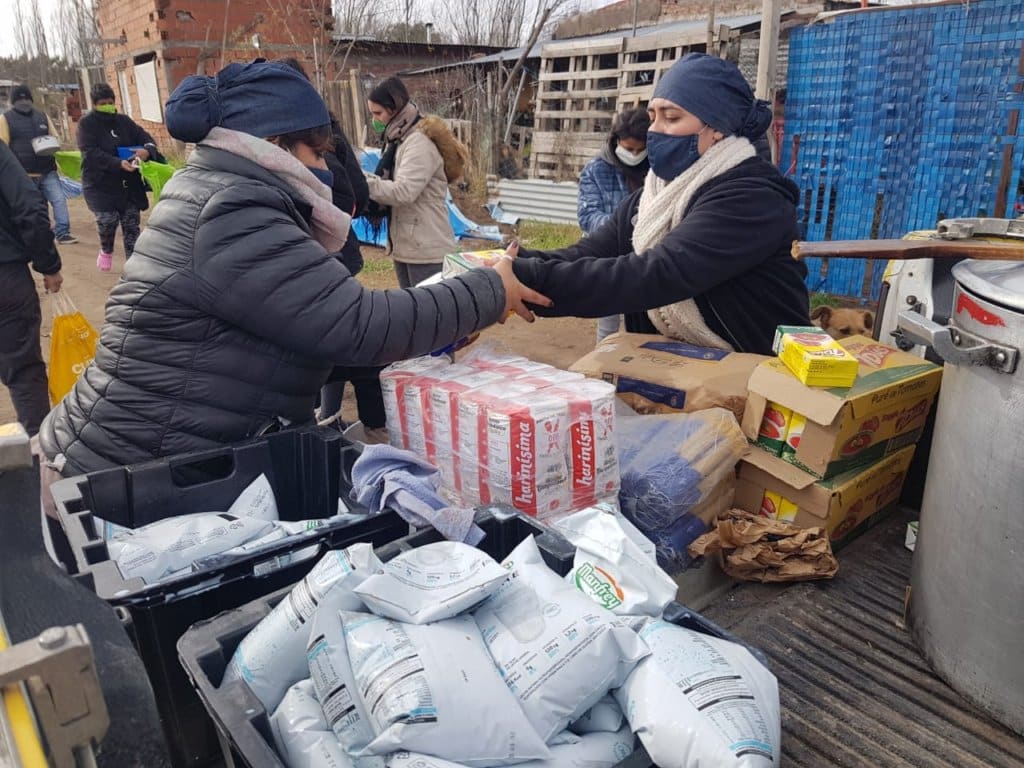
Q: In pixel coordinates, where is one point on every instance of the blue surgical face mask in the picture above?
(322, 174)
(671, 155)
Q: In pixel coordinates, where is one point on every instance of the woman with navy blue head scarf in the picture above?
(702, 252)
(234, 308)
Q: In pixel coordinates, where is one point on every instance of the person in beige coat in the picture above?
(409, 188)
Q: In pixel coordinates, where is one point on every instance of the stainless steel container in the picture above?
(967, 586)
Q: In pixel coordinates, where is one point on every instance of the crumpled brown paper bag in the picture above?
(754, 548)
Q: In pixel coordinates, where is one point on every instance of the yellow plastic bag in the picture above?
(72, 346)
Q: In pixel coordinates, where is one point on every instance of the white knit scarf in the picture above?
(330, 225)
(662, 205)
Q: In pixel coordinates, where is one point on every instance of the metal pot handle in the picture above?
(955, 346)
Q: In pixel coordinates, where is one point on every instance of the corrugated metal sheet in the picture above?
(539, 200)
(854, 689)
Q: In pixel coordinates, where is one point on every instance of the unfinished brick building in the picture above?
(149, 46)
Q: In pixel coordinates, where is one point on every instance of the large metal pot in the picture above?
(966, 608)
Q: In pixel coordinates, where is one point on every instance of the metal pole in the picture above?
(636, 4)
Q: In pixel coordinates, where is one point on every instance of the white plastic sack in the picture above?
(257, 500)
(615, 564)
(331, 673)
(702, 702)
(595, 750)
(163, 548)
(432, 582)
(557, 650)
(301, 734)
(432, 688)
(272, 656)
(604, 717)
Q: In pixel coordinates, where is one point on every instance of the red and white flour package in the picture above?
(526, 442)
(471, 481)
(393, 380)
(591, 455)
(550, 377)
(444, 423)
(415, 406)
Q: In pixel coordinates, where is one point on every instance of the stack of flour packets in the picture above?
(444, 657)
(505, 429)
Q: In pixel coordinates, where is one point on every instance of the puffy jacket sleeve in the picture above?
(29, 213)
(590, 207)
(259, 270)
(416, 163)
(730, 230)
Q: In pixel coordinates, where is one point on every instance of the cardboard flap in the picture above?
(775, 382)
(776, 467)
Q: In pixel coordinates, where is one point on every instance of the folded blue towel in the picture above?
(388, 477)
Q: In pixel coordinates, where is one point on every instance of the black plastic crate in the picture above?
(243, 725)
(308, 470)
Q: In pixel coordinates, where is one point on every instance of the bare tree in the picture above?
(74, 24)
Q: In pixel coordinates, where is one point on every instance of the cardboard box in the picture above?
(884, 411)
(839, 505)
(655, 374)
(814, 357)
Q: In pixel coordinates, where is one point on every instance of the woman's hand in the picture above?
(517, 294)
(512, 251)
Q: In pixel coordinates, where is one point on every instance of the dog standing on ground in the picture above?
(840, 323)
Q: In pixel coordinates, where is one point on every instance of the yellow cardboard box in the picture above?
(884, 411)
(655, 374)
(838, 505)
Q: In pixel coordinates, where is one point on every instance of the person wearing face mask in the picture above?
(609, 178)
(111, 185)
(19, 126)
(235, 307)
(702, 252)
(420, 159)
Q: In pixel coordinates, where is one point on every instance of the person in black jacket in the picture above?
(235, 307)
(112, 185)
(702, 252)
(19, 127)
(350, 193)
(25, 237)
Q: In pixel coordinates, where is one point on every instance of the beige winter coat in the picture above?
(419, 230)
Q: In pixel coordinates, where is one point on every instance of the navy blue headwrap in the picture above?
(714, 90)
(262, 99)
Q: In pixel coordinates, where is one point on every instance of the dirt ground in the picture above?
(559, 342)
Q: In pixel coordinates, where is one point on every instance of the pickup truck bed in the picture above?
(854, 689)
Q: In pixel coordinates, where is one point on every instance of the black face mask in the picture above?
(24, 106)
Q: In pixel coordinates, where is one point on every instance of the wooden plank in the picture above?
(573, 114)
(544, 141)
(908, 249)
(560, 49)
(593, 93)
(579, 75)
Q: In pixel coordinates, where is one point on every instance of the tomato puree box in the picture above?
(884, 411)
(772, 487)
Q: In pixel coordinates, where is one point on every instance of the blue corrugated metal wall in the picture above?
(902, 116)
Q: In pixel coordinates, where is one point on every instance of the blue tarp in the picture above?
(461, 225)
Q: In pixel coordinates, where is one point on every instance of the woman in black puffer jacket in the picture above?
(234, 307)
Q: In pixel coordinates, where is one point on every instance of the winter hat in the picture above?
(390, 94)
(20, 93)
(714, 90)
(101, 91)
(262, 99)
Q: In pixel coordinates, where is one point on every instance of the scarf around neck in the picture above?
(662, 206)
(329, 225)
